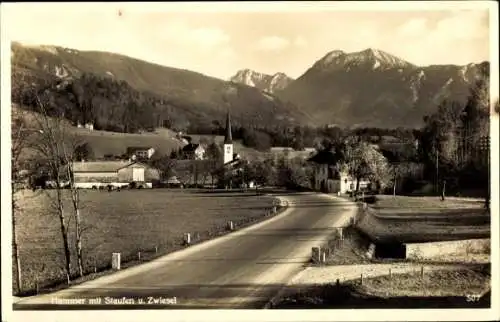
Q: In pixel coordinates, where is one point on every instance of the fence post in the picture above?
(139, 256)
(340, 233)
(361, 278)
(230, 225)
(187, 238)
(115, 261)
(95, 265)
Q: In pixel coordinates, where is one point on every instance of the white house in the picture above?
(89, 126)
(140, 153)
(95, 174)
(194, 151)
(327, 178)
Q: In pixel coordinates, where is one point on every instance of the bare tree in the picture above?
(75, 200)
(56, 148)
(20, 134)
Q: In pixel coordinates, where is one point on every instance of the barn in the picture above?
(95, 174)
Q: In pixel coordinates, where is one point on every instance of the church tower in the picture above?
(228, 141)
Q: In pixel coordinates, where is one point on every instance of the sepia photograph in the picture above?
(293, 160)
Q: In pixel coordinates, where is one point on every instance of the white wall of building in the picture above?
(228, 153)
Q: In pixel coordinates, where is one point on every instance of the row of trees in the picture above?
(452, 146)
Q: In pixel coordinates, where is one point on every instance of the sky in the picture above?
(220, 39)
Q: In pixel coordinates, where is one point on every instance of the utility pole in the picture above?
(437, 166)
(437, 170)
(485, 146)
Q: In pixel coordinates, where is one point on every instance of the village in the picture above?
(198, 167)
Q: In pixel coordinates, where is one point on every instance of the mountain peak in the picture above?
(376, 58)
(265, 82)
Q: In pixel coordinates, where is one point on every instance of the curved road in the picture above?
(244, 269)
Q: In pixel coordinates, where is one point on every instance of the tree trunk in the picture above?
(357, 184)
(75, 199)
(16, 249)
(394, 189)
(64, 233)
(443, 190)
(79, 242)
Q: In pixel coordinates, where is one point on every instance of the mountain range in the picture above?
(374, 88)
(186, 92)
(368, 88)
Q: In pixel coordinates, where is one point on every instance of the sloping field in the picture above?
(103, 142)
(113, 143)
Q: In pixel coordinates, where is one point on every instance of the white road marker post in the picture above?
(115, 261)
(187, 238)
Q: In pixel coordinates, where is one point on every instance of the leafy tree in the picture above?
(256, 139)
(164, 164)
(213, 152)
(83, 152)
(362, 160)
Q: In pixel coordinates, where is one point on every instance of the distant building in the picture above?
(327, 178)
(97, 174)
(228, 141)
(140, 153)
(194, 151)
(89, 126)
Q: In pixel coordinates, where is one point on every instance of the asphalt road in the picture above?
(244, 269)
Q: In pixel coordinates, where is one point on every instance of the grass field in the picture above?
(434, 283)
(421, 219)
(127, 222)
(445, 288)
(103, 142)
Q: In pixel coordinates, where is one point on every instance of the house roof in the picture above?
(191, 147)
(325, 157)
(101, 166)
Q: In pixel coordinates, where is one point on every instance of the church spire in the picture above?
(229, 137)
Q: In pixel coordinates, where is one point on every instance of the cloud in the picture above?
(272, 43)
(435, 41)
(413, 27)
(464, 25)
(208, 37)
(300, 41)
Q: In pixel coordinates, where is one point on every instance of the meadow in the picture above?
(152, 222)
(424, 219)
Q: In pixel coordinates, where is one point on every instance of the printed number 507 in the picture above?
(472, 297)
